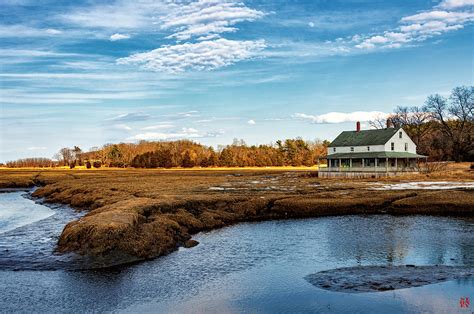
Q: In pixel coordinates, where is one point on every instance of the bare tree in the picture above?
(414, 120)
(379, 122)
(455, 118)
(462, 104)
(66, 155)
(77, 155)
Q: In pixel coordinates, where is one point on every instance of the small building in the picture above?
(371, 153)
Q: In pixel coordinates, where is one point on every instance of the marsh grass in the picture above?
(149, 213)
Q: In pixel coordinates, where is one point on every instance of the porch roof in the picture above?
(374, 155)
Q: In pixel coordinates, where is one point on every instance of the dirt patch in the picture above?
(384, 278)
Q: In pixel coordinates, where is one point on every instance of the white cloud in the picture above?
(213, 134)
(79, 76)
(397, 37)
(15, 97)
(311, 24)
(437, 15)
(339, 117)
(130, 117)
(121, 14)
(158, 126)
(186, 19)
(206, 17)
(251, 122)
(365, 45)
(122, 127)
(453, 4)
(184, 133)
(208, 37)
(394, 45)
(118, 36)
(416, 28)
(35, 53)
(377, 40)
(201, 20)
(37, 148)
(53, 31)
(188, 114)
(201, 56)
(17, 30)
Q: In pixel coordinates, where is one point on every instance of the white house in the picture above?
(371, 153)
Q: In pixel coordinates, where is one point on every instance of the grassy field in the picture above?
(136, 214)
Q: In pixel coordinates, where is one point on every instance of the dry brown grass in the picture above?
(148, 213)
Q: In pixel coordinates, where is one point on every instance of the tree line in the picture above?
(442, 128)
(186, 154)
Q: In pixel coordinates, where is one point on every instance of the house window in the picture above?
(352, 149)
(406, 147)
(368, 148)
(400, 134)
(334, 149)
(393, 145)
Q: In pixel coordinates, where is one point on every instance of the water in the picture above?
(29, 232)
(17, 211)
(260, 267)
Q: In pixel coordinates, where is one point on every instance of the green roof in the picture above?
(374, 155)
(364, 138)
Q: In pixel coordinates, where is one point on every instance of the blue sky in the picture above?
(88, 73)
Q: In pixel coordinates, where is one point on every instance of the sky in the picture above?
(88, 73)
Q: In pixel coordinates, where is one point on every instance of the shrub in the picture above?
(97, 164)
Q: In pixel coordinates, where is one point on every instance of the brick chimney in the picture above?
(357, 126)
(389, 123)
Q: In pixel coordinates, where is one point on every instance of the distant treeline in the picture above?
(186, 154)
(442, 128)
(32, 162)
(291, 152)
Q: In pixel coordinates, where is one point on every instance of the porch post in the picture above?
(363, 162)
(350, 163)
(340, 165)
(396, 164)
(376, 159)
(386, 164)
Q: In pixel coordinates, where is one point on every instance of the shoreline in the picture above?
(131, 219)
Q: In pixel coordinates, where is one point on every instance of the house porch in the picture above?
(370, 164)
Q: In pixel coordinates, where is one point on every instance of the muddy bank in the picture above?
(385, 278)
(143, 214)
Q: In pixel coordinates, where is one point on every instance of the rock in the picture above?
(190, 243)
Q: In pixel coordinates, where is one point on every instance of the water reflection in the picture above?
(402, 240)
(260, 267)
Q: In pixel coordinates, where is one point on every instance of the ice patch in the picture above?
(361, 279)
(220, 188)
(425, 185)
(17, 211)
(216, 188)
